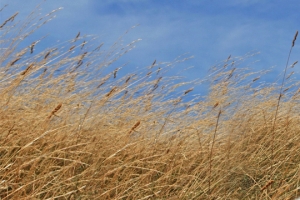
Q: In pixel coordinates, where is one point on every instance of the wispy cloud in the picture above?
(210, 30)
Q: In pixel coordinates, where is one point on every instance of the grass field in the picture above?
(69, 131)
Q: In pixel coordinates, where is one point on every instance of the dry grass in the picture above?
(70, 131)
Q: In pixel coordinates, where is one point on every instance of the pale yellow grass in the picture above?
(70, 131)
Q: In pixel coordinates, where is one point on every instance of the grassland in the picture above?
(70, 131)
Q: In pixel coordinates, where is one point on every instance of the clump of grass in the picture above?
(68, 130)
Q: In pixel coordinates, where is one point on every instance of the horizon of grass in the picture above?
(70, 131)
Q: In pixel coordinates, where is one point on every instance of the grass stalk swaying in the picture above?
(280, 95)
(73, 126)
(211, 152)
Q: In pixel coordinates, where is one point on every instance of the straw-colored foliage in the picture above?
(70, 130)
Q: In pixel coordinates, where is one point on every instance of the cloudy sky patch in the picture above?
(209, 30)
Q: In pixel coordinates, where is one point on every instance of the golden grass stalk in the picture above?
(281, 94)
(9, 19)
(211, 152)
(55, 110)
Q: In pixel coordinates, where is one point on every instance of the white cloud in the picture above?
(209, 30)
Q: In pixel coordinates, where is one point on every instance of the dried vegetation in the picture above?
(70, 131)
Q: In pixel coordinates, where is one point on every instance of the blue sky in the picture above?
(208, 30)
